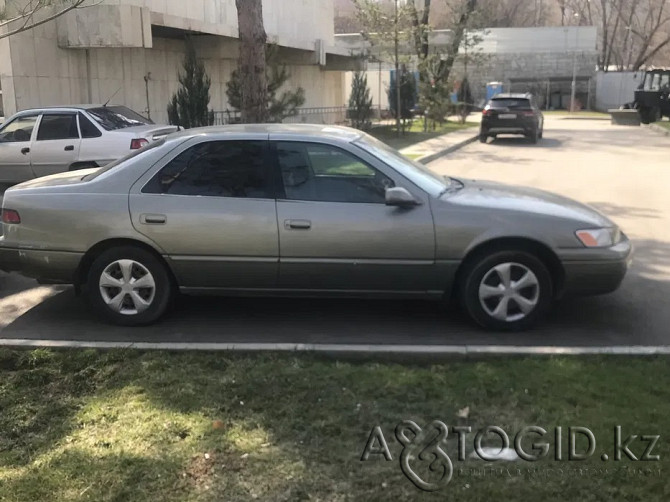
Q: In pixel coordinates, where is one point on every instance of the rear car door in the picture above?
(211, 209)
(57, 144)
(336, 232)
(15, 143)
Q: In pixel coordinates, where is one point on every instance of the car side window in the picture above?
(19, 130)
(217, 169)
(58, 126)
(324, 173)
(88, 130)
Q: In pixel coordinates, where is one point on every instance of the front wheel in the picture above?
(129, 286)
(506, 290)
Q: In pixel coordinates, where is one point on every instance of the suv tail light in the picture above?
(138, 143)
(529, 113)
(10, 217)
(486, 112)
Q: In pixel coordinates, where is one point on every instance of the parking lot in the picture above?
(620, 170)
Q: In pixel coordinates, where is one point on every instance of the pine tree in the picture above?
(278, 106)
(189, 107)
(407, 96)
(360, 102)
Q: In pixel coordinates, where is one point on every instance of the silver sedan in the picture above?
(303, 210)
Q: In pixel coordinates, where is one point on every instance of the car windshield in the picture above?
(512, 103)
(117, 117)
(412, 170)
(116, 163)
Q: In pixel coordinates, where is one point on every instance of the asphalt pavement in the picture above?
(621, 170)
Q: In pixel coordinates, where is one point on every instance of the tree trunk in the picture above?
(252, 64)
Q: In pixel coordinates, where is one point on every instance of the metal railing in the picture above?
(327, 115)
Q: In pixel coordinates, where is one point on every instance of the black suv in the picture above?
(512, 114)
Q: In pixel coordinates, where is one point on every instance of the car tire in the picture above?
(111, 292)
(490, 297)
(483, 138)
(541, 134)
(534, 136)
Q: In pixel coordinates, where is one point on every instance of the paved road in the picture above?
(623, 171)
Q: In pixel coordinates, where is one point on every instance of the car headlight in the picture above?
(599, 237)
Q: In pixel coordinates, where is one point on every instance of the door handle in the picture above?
(297, 224)
(153, 219)
(25, 151)
(69, 148)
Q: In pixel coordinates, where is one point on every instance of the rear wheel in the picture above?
(483, 138)
(129, 286)
(506, 290)
(534, 136)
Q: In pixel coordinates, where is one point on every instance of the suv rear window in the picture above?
(519, 103)
(117, 117)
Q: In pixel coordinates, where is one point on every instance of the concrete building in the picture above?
(538, 60)
(132, 50)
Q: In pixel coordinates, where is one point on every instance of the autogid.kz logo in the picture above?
(425, 461)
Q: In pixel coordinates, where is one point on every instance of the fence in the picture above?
(614, 89)
(330, 115)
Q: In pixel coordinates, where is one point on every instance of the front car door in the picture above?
(211, 209)
(15, 143)
(57, 144)
(335, 231)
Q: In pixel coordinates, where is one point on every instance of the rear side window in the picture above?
(112, 118)
(512, 103)
(236, 169)
(53, 127)
(88, 130)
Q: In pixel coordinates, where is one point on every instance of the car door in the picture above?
(15, 142)
(335, 231)
(212, 209)
(56, 146)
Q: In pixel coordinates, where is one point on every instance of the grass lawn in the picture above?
(664, 123)
(578, 114)
(82, 425)
(415, 134)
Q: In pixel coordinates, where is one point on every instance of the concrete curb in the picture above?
(441, 153)
(343, 349)
(659, 129)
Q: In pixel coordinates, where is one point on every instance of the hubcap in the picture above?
(509, 292)
(127, 287)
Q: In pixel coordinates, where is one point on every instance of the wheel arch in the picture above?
(533, 246)
(102, 246)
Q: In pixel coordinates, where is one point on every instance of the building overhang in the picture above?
(131, 26)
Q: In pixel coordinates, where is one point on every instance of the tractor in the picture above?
(652, 97)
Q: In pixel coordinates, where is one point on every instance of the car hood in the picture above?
(493, 195)
(60, 179)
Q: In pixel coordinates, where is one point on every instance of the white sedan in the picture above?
(40, 142)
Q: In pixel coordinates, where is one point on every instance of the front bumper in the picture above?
(596, 271)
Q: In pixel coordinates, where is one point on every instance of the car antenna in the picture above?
(111, 97)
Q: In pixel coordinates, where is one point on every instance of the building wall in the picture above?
(35, 71)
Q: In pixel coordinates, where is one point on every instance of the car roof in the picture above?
(64, 107)
(515, 95)
(346, 134)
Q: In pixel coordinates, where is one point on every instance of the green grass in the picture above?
(82, 425)
(415, 134)
(664, 123)
(581, 113)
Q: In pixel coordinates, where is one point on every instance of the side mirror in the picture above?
(400, 197)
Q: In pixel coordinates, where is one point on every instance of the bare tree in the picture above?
(19, 16)
(252, 63)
